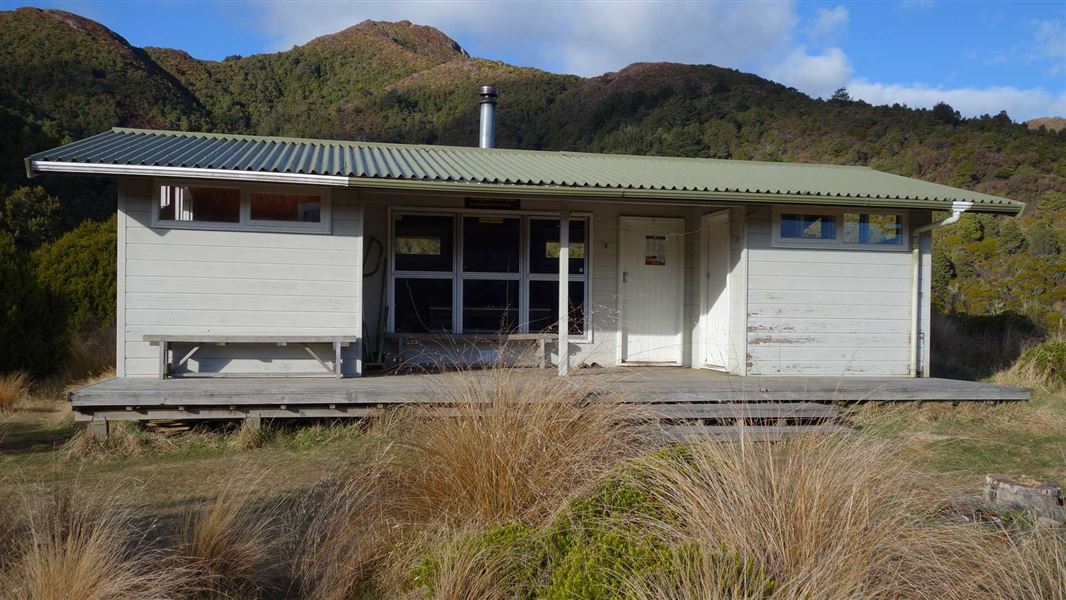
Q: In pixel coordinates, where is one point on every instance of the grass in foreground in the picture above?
(502, 497)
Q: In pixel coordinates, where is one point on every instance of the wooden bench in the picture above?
(541, 339)
(166, 364)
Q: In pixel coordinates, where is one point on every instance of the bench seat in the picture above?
(166, 363)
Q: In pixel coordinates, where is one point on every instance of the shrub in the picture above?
(80, 269)
(31, 216)
(32, 337)
(13, 388)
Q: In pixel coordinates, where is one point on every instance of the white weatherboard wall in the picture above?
(826, 311)
(236, 282)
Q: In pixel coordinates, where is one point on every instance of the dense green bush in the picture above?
(594, 550)
(30, 216)
(80, 268)
(32, 324)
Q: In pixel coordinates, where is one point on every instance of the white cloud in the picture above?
(817, 75)
(1020, 104)
(828, 22)
(1050, 44)
(585, 38)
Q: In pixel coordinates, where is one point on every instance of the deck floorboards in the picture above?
(662, 386)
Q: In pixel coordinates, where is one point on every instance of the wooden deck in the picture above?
(672, 393)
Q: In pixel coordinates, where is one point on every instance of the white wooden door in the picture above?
(714, 321)
(651, 288)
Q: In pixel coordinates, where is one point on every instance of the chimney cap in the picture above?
(487, 90)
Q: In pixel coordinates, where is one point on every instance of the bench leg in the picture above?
(164, 360)
(542, 350)
(337, 359)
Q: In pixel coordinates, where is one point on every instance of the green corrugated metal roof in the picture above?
(505, 171)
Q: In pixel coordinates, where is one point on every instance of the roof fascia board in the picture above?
(40, 166)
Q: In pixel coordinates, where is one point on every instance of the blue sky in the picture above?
(981, 57)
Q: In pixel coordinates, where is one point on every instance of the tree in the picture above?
(944, 113)
(79, 268)
(841, 95)
(30, 216)
(32, 336)
(1042, 241)
(1011, 239)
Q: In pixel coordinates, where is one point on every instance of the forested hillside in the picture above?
(63, 77)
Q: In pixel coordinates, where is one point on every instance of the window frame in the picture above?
(837, 242)
(457, 275)
(245, 222)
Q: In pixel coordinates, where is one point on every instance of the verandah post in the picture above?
(564, 290)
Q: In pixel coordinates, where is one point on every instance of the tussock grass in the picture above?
(1042, 366)
(229, 546)
(1033, 566)
(86, 547)
(506, 445)
(353, 534)
(838, 516)
(14, 388)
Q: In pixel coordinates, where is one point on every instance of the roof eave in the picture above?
(652, 195)
(34, 167)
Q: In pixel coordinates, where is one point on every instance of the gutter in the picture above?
(957, 208)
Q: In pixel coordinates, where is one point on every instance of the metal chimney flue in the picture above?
(487, 135)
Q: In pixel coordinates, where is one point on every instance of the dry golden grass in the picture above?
(86, 547)
(91, 356)
(504, 445)
(1033, 566)
(14, 388)
(507, 445)
(827, 517)
(123, 438)
(1041, 367)
(229, 546)
(352, 534)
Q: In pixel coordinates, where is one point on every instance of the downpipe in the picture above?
(957, 208)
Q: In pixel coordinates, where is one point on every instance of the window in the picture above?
(500, 273)
(544, 306)
(193, 204)
(235, 207)
(423, 305)
(808, 227)
(544, 246)
(873, 228)
(839, 228)
(490, 306)
(268, 206)
(424, 243)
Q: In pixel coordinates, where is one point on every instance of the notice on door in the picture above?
(655, 250)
